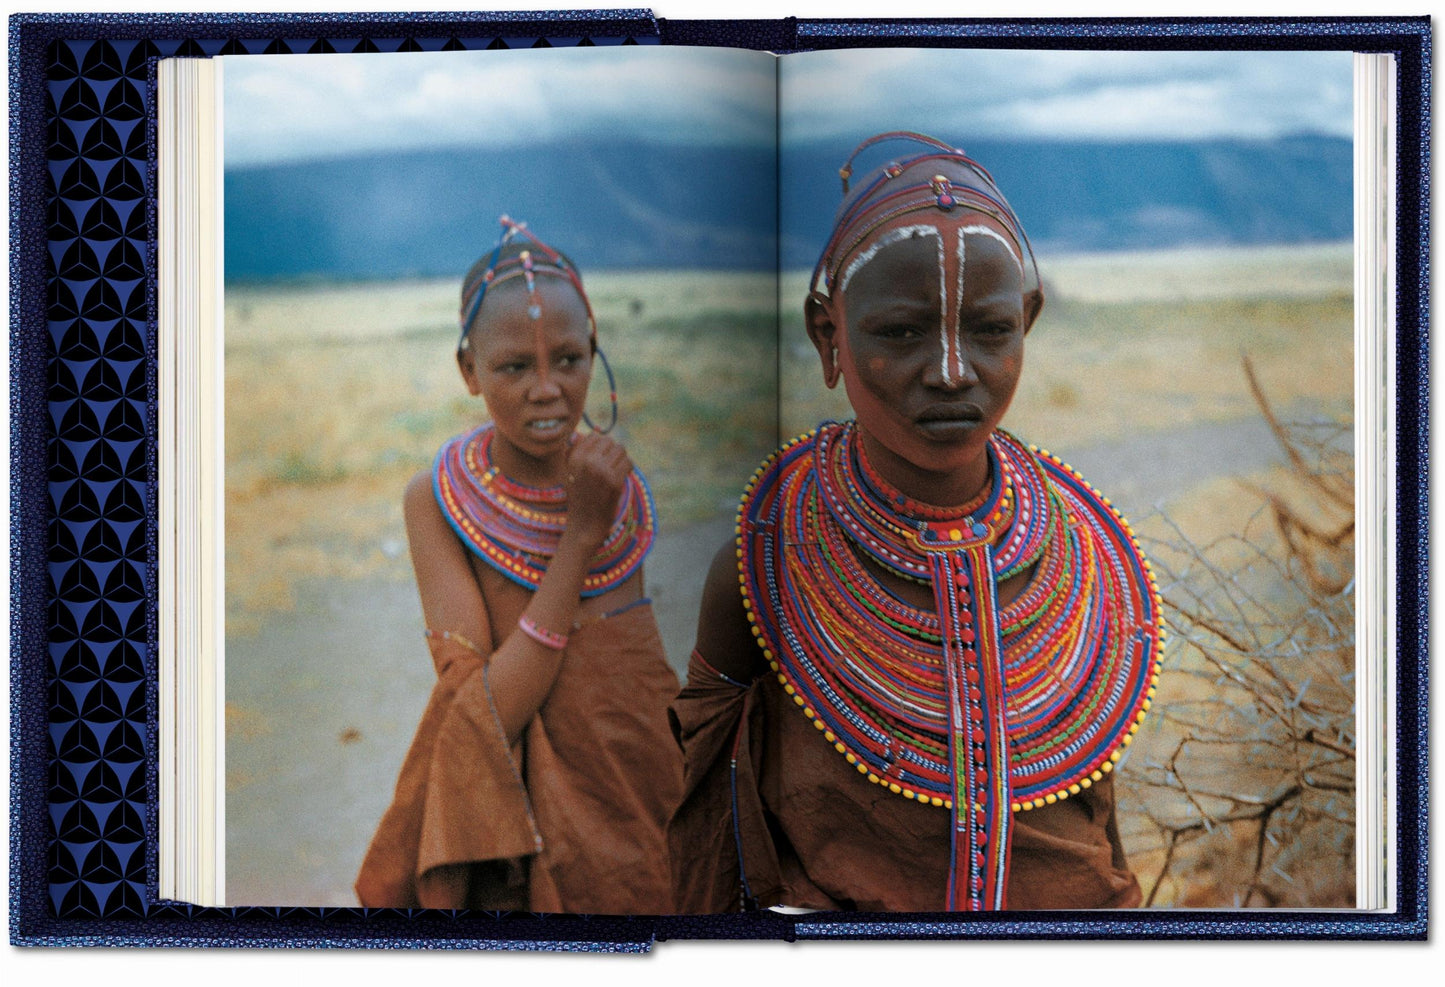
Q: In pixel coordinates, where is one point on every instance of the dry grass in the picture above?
(336, 395)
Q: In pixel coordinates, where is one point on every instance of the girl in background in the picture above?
(542, 774)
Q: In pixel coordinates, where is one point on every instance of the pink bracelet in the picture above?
(544, 637)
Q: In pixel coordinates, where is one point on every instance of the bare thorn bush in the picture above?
(1241, 789)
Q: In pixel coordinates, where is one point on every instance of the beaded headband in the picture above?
(880, 201)
(537, 259)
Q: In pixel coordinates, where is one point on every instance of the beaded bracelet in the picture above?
(544, 637)
(595, 618)
(452, 636)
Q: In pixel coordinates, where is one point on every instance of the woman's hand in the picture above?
(523, 669)
(597, 472)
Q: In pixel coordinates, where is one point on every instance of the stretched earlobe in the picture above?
(822, 331)
(611, 390)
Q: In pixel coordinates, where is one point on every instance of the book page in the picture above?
(1190, 215)
(191, 656)
(359, 190)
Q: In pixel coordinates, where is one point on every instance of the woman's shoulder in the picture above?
(724, 635)
(419, 493)
(425, 522)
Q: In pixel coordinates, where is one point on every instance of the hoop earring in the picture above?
(612, 392)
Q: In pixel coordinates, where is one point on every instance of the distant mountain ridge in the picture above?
(431, 213)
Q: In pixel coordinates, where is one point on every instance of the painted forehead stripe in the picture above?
(857, 227)
(980, 229)
(882, 202)
(896, 235)
(900, 233)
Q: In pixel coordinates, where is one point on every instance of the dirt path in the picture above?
(323, 701)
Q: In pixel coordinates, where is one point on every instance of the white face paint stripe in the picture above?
(951, 358)
(891, 237)
(957, 305)
(990, 231)
(950, 352)
(908, 233)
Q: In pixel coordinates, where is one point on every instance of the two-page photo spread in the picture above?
(674, 480)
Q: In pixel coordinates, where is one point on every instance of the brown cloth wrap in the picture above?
(570, 819)
(815, 834)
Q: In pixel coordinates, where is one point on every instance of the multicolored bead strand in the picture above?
(524, 265)
(516, 528)
(540, 634)
(982, 709)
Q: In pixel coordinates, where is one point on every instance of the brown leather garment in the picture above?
(815, 834)
(570, 819)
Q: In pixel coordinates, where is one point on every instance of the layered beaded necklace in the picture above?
(515, 528)
(980, 709)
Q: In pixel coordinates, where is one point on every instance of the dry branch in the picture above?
(1243, 783)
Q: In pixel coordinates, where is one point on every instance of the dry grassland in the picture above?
(335, 395)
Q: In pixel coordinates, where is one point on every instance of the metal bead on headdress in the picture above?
(537, 259)
(533, 309)
(942, 192)
(880, 201)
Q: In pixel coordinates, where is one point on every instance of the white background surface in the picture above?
(772, 964)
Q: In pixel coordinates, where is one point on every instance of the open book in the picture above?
(1214, 239)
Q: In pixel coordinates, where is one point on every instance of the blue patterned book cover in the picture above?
(353, 205)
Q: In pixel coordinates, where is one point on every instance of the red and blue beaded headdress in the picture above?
(888, 193)
(534, 259)
(537, 258)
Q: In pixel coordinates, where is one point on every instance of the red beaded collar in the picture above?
(515, 528)
(980, 709)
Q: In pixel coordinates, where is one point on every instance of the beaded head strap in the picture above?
(882, 203)
(536, 258)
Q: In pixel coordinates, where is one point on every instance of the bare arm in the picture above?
(451, 600)
(725, 639)
(522, 670)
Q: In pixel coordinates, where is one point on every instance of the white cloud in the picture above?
(288, 107)
(964, 94)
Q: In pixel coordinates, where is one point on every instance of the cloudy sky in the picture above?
(291, 108)
(300, 107)
(1100, 95)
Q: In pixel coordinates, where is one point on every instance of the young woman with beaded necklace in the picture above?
(542, 773)
(920, 661)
